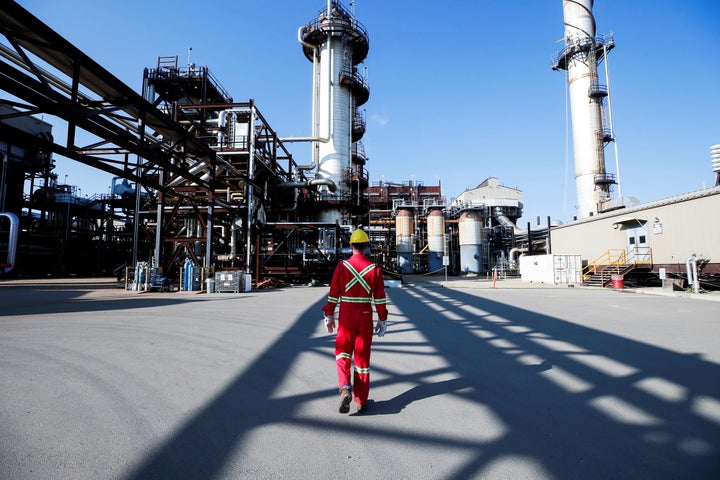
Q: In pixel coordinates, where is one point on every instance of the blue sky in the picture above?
(460, 91)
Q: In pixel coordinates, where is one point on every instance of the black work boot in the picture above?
(345, 399)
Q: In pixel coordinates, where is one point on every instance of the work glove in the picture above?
(329, 323)
(380, 328)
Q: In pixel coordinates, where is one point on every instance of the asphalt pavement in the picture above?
(519, 381)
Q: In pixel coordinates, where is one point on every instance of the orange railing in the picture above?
(615, 260)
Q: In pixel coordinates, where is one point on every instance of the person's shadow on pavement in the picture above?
(397, 404)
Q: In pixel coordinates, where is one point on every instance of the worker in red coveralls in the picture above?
(356, 284)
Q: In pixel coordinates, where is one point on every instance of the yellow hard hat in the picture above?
(359, 236)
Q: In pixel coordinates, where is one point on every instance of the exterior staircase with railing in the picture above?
(600, 272)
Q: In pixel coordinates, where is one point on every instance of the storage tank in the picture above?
(436, 239)
(470, 230)
(403, 240)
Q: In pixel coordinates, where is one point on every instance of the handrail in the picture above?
(613, 256)
(615, 259)
(640, 255)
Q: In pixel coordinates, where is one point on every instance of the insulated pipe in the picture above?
(692, 272)
(690, 277)
(696, 283)
(505, 221)
(12, 241)
(250, 193)
(194, 170)
(610, 121)
(512, 253)
(315, 182)
(234, 228)
(221, 127)
(159, 220)
(315, 99)
(222, 122)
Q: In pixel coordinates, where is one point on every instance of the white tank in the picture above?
(436, 231)
(436, 239)
(404, 231)
(470, 232)
(404, 241)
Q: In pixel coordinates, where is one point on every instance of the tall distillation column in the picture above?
(580, 57)
(336, 43)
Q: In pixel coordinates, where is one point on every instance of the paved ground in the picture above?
(520, 381)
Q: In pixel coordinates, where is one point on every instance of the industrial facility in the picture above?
(613, 237)
(206, 195)
(203, 184)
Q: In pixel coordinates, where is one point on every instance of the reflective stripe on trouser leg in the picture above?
(361, 382)
(361, 375)
(352, 344)
(343, 363)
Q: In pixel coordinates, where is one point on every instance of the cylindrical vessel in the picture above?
(404, 240)
(334, 123)
(470, 231)
(436, 239)
(336, 43)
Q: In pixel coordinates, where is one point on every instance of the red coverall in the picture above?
(356, 284)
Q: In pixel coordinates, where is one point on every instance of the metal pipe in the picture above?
(12, 240)
(304, 139)
(234, 227)
(505, 221)
(692, 272)
(511, 256)
(610, 119)
(221, 127)
(159, 220)
(250, 191)
(315, 137)
(689, 270)
(209, 225)
(315, 182)
(195, 169)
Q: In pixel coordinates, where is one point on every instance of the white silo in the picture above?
(404, 240)
(580, 57)
(436, 239)
(336, 43)
(470, 233)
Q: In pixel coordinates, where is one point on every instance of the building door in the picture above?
(638, 250)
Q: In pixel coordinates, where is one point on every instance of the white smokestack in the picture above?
(580, 58)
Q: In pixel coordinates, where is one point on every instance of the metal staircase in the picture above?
(600, 271)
